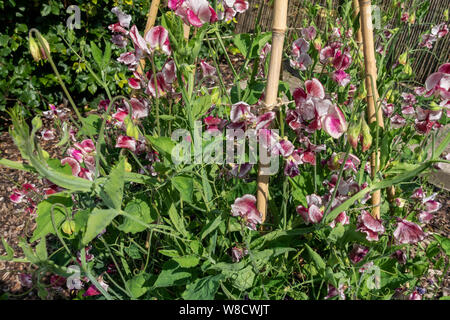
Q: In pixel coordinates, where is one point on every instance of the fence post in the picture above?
(271, 93)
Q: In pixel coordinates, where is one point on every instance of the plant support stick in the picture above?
(373, 115)
(271, 94)
(151, 18)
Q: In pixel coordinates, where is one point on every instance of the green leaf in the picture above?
(163, 145)
(91, 125)
(98, 220)
(318, 261)
(203, 289)
(139, 209)
(244, 279)
(243, 42)
(172, 275)
(210, 227)
(8, 249)
(107, 54)
(444, 243)
(112, 191)
(185, 185)
(336, 233)
(177, 220)
(169, 253)
(44, 220)
(41, 250)
(200, 106)
(137, 285)
(188, 261)
(97, 54)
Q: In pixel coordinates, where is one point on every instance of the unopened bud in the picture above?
(353, 133)
(366, 136)
(402, 58)
(36, 49)
(68, 226)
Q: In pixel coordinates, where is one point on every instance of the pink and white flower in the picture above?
(408, 232)
(194, 12)
(126, 143)
(314, 212)
(371, 226)
(245, 207)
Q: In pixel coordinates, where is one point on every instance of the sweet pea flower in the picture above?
(438, 83)
(193, 12)
(314, 213)
(358, 253)
(124, 19)
(18, 195)
(397, 121)
(245, 207)
(408, 232)
(314, 112)
(93, 291)
(301, 60)
(240, 170)
(400, 256)
(341, 77)
(207, 69)
(227, 9)
(48, 134)
(440, 30)
(214, 124)
(333, 292)
(241, 112)
(238, 253)
(26, 280)
(74, 165)
(126, 143)
(309, 33)
(371, 226)
(156, 39)
(427, 119)
(425, 216)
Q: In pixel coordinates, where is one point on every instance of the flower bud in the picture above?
(127, 166)
(412, 18)
(366, 136)
(68, 226)
(402, 58)
(34, 49)
(353, 133)
(318, 43)
(37, 51)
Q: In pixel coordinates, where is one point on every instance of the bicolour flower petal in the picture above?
(408, 232)
(314, 88)
(334, 122)
(126, 142)
(158, 39)
(73, 164)
(207, 69)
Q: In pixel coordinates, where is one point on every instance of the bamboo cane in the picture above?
(358, 32)
(373, 115)
(278, 31)
(151, 18)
